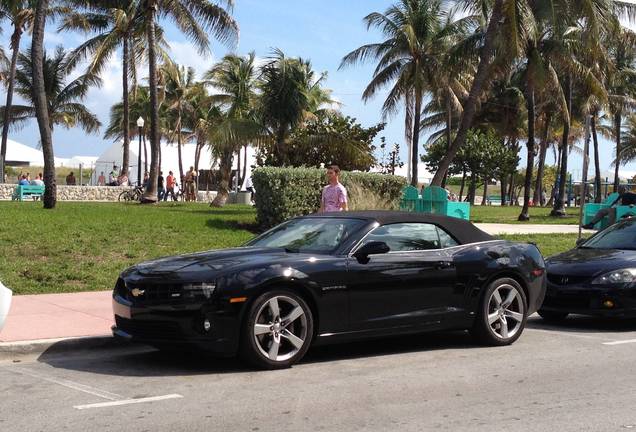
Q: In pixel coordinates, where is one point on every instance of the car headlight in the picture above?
(619, 276)
(205, 289)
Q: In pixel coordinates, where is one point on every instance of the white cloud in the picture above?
(184, 53)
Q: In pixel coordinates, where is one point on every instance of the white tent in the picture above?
(169, 159)
(20, 154)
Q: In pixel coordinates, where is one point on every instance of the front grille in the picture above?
(149, 294)
(573, 301)
(146, 329)
(564, 280)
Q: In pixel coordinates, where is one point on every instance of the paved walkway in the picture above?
(53, 316)
(494, 229)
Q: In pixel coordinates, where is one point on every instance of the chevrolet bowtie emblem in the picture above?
(136, 292)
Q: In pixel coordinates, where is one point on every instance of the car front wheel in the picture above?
(502, 313)
(278, 330)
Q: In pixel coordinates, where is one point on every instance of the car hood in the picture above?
(210, 261)
(589, 262)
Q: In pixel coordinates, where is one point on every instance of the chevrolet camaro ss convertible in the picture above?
(333, 277)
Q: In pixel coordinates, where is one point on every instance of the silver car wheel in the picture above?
(505, 311)
(280, 330)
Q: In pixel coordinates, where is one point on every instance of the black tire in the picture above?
(553, 316)
(123, 196)
(487, 333)
(253, 346)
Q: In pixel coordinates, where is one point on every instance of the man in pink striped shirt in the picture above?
(334, 195)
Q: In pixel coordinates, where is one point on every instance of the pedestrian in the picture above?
(122, 180)
(70, 179)
(160, 189)
(250, 188)
(190, 180)
(146, 183)
(101, 181)
(112, 177)
(23, 180)
(544, 198)
(38, 180)
(334, 195)
(170, 182)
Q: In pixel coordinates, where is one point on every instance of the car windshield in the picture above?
(317, 235)
(619, 236)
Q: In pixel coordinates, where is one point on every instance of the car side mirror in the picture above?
(372, 248)
(580, 241)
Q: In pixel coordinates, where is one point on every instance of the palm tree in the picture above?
(40, 102)
(118, 23)
(178, 81)
(289, 93)
(20, 13)
(194, 18)
(410, 61)
(63, 99)
(235, 78)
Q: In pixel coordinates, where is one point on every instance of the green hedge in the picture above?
(282, 193)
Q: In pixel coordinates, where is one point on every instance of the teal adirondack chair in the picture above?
(437, 198)
(410, 199)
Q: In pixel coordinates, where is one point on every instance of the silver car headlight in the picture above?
(620, 276)
(204, 289)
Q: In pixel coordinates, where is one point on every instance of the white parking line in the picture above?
(628, 341)
(128, 401)
(67, 383)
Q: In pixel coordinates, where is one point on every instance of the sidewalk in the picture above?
(58, 316)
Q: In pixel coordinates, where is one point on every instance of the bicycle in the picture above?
(131, 194)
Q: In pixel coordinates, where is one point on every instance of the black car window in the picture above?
(619, 236)
(318, 235)
(402, 237)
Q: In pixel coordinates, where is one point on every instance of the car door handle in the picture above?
(441, 265)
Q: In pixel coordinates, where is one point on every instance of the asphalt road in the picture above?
(561, 379)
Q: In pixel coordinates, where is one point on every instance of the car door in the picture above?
(411, 285)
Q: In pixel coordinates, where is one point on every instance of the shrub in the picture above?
(282, 193)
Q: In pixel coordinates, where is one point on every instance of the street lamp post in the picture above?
(140, 124)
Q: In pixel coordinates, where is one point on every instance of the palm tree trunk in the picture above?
(472, 188)
(461, 189)
(40, 103)
(597, 163)
(538, 186)
(484, 198)
(238, 168)
(511, 190)
(245, 163)
(416, 138)
(485, 60)
(524, 215)
(559, 204)
(15, 47)
(145, 155)
(449, 131)
(617, 125)
(150, 195)
(126, 125)
(225, 170)
(179, 154)
(199, 148)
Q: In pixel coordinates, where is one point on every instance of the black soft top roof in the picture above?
(463, 231)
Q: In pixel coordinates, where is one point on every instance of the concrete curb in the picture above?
(30, 348)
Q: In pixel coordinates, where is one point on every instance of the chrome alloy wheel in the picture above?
(505, 311)
(280, 330)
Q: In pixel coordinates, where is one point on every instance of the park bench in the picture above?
(590, 210)
(493, 199)
(30, 191)
(434, 199)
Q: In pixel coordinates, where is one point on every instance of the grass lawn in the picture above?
(84, 246)
(548, 244)
(508, 215)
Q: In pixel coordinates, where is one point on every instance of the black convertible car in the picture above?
(333, 277)
(598, 277)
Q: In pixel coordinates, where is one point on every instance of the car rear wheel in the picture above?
(552, 316)
(502, 313)
(278, 330)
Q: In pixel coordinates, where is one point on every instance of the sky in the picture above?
(320, 30)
